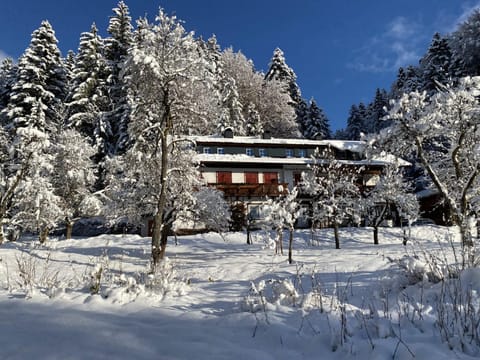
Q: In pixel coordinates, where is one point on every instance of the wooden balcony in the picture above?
(252, 190)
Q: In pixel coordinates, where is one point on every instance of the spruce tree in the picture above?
(88, 101)
(280, 71)
(303, 117)
(318, 126)
(435, 66)
(378, 111)
(8, 72)
(116, 53)
(41, 79)
(356, 122)
(466, 46)
(231, 116)
(254, 126)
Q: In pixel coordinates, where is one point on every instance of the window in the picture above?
(207, 150)
(220, 151)
(249, 152)
(262, 152)
(302, 153)
(289, 152)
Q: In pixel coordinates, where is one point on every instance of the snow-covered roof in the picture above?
(355, 146)
(391, 159)
(246, 159)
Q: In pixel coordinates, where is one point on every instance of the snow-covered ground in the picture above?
(219, 298)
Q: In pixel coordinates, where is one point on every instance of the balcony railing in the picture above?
(252, 190)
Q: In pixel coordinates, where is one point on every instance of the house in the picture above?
(250, 169)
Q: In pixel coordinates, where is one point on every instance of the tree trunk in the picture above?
(2, 236)
(337, 239)
(159, 239)
(468, 251)
(164, 239)
(43, 236)
(156, 239)
(69, 230)
(279, 245)
(290, 247)
(375, 235)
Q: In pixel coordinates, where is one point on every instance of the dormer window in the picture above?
(289, 153)
(302, 153)
(249, 152)
(262, 152)
(207, 150)
(220, 151)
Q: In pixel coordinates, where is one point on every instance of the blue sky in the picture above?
(341, 50)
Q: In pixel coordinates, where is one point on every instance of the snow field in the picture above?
(219, 298)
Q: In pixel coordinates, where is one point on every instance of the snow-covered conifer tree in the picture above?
(435, 66)
(36, 207)
(465, 45)
(408, 80)
(377, 111)
(40, 77)
(318, 126)
(232, 110)
(33, 114)
(280, 71)
(116, 51)
(88, 101)
(8, 72)
(356, 122)
(254, 126)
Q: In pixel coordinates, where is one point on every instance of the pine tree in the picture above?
(8, 73)
(116, 52)
(40, 78)
(34, 205)
(33, 114)
(88, 101)
(303, 117)
(254, 126)
(356, 122)
(318, 126)
(408, 80)
(435, 66)
(232, 115)
(466, 46)
(280, 71)
(378, 110)
(69, 62)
